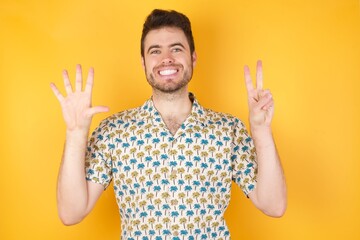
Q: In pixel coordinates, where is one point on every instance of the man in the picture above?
(171, 161)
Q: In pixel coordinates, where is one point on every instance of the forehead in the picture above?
(165, 36)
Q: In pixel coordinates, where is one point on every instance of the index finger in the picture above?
(248, 81)
(90, 81)
(259, 76)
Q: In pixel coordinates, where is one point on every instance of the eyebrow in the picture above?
(171, 45)
(177, 44)
(152, 47)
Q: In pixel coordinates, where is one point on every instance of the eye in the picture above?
(177, 50)
(156, 51)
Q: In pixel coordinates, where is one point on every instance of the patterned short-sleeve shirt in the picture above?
(172, 186)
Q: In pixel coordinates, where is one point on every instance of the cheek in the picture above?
(150, 64)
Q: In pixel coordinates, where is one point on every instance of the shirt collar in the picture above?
(197, 114)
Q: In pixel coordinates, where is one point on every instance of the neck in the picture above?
(172, 104)
(174, 108)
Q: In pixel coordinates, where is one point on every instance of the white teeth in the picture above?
(167, 72)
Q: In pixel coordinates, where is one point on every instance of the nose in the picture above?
(167, 58)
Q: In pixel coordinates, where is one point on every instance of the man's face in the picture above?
(167, 60)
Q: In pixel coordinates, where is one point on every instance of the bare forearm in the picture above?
(271, 188)
(270, 192)
(72, 194)
(75, 196)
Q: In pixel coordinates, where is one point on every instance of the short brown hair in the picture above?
(162, 18)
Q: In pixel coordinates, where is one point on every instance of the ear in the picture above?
(194, 58)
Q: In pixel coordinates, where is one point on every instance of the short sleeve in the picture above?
(244, 164)
(98, 161)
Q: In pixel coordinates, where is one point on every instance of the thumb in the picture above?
(98, 109)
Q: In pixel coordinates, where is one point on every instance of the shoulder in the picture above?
(121, 119)
(221, 118)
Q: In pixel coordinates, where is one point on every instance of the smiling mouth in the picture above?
(167, 72)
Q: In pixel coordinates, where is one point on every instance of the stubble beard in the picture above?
(172, 87)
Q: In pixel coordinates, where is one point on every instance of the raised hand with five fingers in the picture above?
(76, 106)
(76, 196)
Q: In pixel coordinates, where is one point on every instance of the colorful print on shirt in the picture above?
(172, 186)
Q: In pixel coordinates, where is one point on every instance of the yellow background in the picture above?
(311, 56)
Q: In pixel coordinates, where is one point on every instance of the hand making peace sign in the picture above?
(261, 104)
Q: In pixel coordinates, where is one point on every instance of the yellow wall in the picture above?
(311, 55)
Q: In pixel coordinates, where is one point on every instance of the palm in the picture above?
(261, 105)
(76, 106)
(75, 110)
